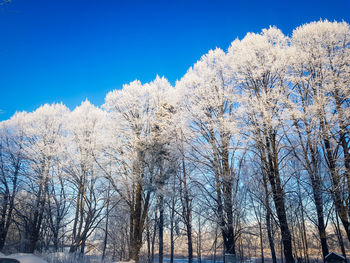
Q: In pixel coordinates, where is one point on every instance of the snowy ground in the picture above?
(24, 258)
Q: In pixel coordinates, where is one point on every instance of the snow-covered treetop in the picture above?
(205, 91)
(258, 55)
(135, 105)
(254, 82)
(44, 129)
(320, 67)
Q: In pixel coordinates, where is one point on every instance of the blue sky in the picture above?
(69, 50)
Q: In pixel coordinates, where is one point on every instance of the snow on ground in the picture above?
(25, 258)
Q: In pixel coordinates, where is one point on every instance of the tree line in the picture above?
(251, 144)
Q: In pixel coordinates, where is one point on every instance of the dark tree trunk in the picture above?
(268, 220)
(138, 215)
(344, 134)
(148, 238)
(154, 233)
(55, 241)
(7, 210)
(186, 206)
(282, 218)
(304, 237)
(9, 194)
(270, 237)
(320, 217)
(172, 244)
(82, 248)
(227, 180)
(311, 164)
(30, 244)
(224, 192)
(331, 160)
(106, 225)
(339, 236)
(161, 228)
(278, 196)
(78, 210)
(172, 225)
(261, 243)
(189, 242)
(38, 215)
(341, 209)
(215, 244)
(199, 241)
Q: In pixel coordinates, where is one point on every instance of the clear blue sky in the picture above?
(69, 50)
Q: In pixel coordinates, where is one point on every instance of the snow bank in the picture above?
(25, 258)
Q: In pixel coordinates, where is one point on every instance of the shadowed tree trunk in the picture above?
(186, 203)
(9, 192)
(272, 169)
(172, 220)
(268, 219)
(161, 228)
(138, 212)
(34, 220)
(107, 221)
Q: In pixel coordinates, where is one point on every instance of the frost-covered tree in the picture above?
(258, 134)
(83, 146)
(12, 162)
(208, 106)
(138, 113)
(259, 66)
(321, 75)
(43, 142)
(162, 149)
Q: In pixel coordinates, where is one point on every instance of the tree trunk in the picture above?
(199, 241)
(8, 204)
(154, 233)
(161, 228)
(38, 215)
(138, 206)
(311, 164)
(136, 228)
(186, 206)
(268, 220)
(106, 225)
(261, 243)
(148, 238)
(278, 196)
(215, 244)
(339, 236)
(172, 219)
(304, 237)
(76, 234)
(341, 208)
(8, 207)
